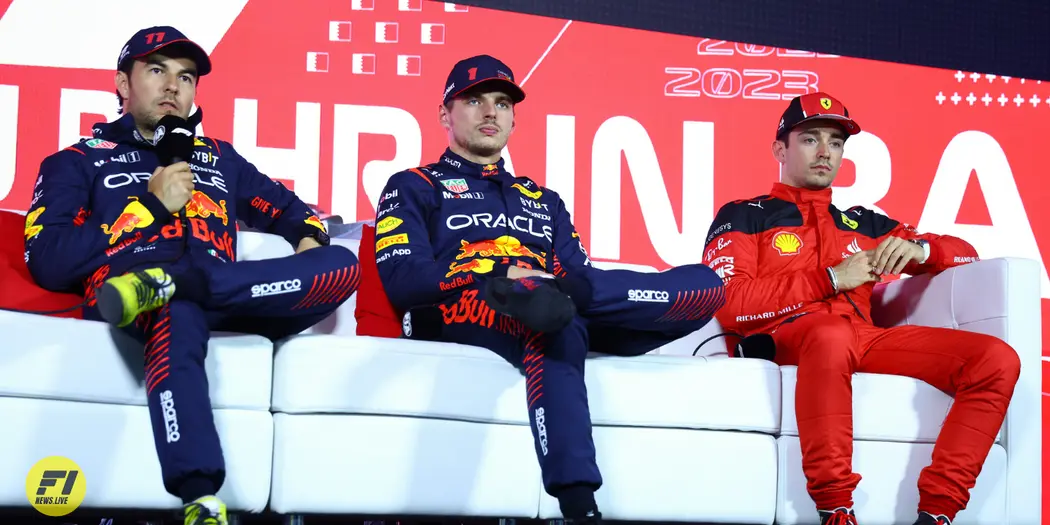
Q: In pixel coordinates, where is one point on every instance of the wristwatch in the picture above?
(321, 237)
(317, 234)
(925, 249)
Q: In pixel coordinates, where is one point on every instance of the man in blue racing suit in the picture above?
(153, 249)
(499, 256)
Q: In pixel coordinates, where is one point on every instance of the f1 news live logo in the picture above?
(55, 486)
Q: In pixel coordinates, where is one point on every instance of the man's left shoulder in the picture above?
(531, 189)
(865, 221)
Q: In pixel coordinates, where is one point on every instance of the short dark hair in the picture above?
(126, 69)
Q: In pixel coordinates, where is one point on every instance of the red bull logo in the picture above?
(489, 169)
(504, 246)
(134, 216)
(201, 205)
(316, 223)
(474, 265)
(458, 282)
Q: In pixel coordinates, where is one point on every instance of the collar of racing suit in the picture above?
(124, 131)
(800, 195)
(462, 165)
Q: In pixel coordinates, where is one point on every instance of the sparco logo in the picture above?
(276, 288)
(171, 420)
(648, 296)
(541, 429)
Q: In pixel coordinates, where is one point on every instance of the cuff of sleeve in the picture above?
(299, 232)
(930, 253)
(161, 215)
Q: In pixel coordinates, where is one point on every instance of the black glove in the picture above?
(534, 301)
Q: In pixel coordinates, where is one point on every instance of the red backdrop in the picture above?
(644, 134)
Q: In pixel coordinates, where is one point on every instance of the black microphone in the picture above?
(173, 140)
(422, 323)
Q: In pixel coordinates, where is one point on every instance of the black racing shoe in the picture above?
(925, 518)
(535, 302)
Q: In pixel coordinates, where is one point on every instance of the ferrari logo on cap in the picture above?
(825, 103)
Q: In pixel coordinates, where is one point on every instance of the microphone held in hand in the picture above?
(422, 323)
(173, 140)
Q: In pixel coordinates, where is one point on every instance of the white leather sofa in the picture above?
(368, 426)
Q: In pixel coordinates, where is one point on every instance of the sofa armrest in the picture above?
(998, 297)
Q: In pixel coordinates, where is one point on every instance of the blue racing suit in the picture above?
(92, 217)
(442, 229)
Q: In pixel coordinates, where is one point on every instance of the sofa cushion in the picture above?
(20, 291)
(885, 408)
(366, 375)
(78, 360)
(374, 314)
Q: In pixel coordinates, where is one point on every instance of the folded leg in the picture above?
(676, 301)
(315, 281)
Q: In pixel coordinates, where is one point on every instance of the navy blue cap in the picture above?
(475, 70)
(153, 39)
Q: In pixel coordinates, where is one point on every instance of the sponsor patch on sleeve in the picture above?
(387, 225)
(386, 242)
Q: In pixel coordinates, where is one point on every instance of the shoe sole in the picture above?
(110, 304)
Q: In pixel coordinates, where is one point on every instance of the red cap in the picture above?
(815, 106)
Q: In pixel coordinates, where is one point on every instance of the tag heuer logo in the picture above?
(455, 185)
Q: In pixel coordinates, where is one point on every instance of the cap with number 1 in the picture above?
(482, 69)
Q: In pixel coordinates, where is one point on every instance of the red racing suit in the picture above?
(773, 253)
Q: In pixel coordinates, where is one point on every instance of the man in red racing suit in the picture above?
(797, 268)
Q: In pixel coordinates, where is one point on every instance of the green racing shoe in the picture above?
(207, 510)
(122, 299)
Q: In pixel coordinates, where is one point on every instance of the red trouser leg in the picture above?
(979, 370)
(826, 348)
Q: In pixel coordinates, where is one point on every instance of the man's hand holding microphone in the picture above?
(172, 181)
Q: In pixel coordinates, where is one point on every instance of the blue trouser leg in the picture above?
(176, 343)
(281, 297)
(631, 313)
(556, 395)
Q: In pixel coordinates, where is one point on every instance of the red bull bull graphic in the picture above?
(525, 191)
(503, 246)
(473, 265)
(134, 216)
(201, 205)
(316, 223)
(33, 229)
(489, 170)
(386, 242)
